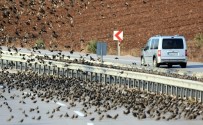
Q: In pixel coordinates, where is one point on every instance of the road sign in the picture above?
(118, 35)
(101, 49)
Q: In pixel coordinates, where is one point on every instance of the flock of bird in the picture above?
(36, 16)
(93, 97)
(103, 98)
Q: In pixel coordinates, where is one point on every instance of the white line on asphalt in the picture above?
(29, 93)
(61, 104)
(90, 123)
(79, 113)
(1, 87)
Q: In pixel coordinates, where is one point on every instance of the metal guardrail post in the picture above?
(109, 79)
(161, 88)
(2, 63)
(95, 78)
(39, 69)
(21, 67)
(91, 76)
(7, 63)
(133, 83)
(16, 65)
(25, 66)
(86, 74)
(167, 89)
(63, 71)
(105, 77)
(67, 72)
(35, 67)
(58, 71)
(129, 81)
(115, 79)
(149, 86)
(49, 70)
(120, 81)
(100, 78)
(45, 69)
(196, 95)
(53, 70)
(176, 90)
(72, 74)
(77, 73)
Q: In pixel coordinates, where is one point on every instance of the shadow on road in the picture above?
(194, 66)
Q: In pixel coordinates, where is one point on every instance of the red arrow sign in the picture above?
(118, 35)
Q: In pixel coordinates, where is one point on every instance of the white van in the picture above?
(165, 50)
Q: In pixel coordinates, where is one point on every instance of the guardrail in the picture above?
(142, 81)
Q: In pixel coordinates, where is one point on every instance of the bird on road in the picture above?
(92, 119)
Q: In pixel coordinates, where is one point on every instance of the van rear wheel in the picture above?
(183, 65)
(155, 64)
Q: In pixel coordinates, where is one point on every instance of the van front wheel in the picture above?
(155, 64)
(142, 61)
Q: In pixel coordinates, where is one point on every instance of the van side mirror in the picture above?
(146, 48)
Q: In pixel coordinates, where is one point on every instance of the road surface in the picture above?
(192, 66)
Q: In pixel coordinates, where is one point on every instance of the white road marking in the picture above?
(79, 113)
(61, 104)
(90, 123)
(1, 87)
(29, 93)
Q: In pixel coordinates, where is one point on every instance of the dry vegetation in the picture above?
(195, 48)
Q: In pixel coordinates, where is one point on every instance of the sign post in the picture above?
(101, 49)
(118, 48)
(118, 36)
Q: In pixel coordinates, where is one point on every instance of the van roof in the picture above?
(175, 36)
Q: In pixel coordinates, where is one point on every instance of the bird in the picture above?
(92, 59)
(21, 120)
(116, 57)
(51, 116)
(116, 116)
(71, 52)
(33, 117)
(39, 118)
(101, 117)
(92, 119)
(66, 115)
(108, 116)
(9, 119)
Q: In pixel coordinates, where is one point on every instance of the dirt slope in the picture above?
(75, 22)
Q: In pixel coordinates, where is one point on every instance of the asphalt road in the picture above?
(191, 66)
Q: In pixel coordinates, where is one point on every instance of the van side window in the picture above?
(152, 44)
(156, 43)
(147, 45)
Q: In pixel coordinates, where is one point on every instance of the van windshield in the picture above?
(172, 44)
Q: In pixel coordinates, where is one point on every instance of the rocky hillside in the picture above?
(73, 23)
